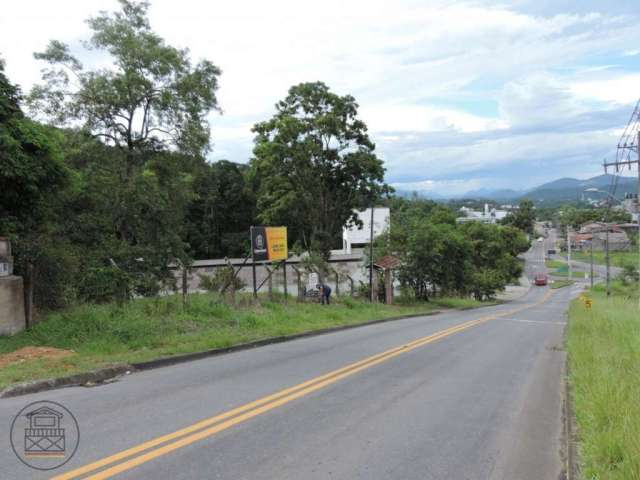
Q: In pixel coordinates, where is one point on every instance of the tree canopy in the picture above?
(315, 164)
(150, 98)
(523, 218)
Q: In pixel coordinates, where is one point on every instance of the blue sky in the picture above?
(457, 95)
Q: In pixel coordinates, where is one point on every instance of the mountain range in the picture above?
(562, 190)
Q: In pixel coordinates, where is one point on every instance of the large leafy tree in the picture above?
(31, 166)
(315, 164)
(32, 177)
(151, 97)
(148, 109)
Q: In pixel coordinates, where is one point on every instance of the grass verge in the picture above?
(561, 283)
(616, 259)
(604, 359)
(146, 329)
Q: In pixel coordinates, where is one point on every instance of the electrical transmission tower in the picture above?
(627, 155)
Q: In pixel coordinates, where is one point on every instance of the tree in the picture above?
(222, 211)
(576, 217)
(435, 260)
(31, 166)
(314, 164)
(152, 98)
(149, 111)
(32, 175)
(524, 218)
(494, 250)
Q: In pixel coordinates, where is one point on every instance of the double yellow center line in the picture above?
(181, 438)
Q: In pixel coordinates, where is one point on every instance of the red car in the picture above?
(540, 279)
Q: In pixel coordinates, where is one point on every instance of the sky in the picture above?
(458, 96)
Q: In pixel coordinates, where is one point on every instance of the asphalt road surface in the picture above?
(475, 394)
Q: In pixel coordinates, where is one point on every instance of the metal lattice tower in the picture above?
(627, 155)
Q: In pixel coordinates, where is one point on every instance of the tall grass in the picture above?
(604, 359)
(145, 329)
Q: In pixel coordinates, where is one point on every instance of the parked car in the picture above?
(540, 279)
(551, 251)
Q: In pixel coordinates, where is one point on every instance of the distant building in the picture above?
(631, 205)
(358, 237)
(596, 233)
(488, 215)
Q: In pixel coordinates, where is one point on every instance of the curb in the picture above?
(87, 378)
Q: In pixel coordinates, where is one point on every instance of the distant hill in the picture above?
(565, 190)
(562, 190)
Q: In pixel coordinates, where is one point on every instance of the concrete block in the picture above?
(12, 319)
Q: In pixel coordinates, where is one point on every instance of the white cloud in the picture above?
(615, 89)
(415, 67)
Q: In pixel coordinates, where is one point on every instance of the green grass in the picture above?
(617, 259)
(553, 264)
(146, 329)
(561, 269)
(563, 273)
(604, 359)
(561, 283)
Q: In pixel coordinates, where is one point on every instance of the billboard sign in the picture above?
(269, 244)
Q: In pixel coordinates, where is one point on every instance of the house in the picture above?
(596, 233)
(358, 237)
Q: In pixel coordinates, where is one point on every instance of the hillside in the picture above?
(562, 190)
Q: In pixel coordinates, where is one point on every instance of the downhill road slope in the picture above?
(462, 395)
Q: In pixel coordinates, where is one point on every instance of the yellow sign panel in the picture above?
(277, 243)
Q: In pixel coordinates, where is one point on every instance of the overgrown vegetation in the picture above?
(604, 359)
(441, 257)
(149, 328)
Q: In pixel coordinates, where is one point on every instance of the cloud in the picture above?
(419, 70)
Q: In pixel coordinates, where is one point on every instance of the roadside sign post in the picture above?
(268, 244)
(284, 278)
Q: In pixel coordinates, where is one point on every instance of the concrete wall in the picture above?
(12, 318)
(352, 266)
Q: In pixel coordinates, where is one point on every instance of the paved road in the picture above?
(461, 395)
(599, 270)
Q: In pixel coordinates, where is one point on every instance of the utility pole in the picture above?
(628, 154)
(591, 252)
(569, 253)
(371, 257)
(606, 256)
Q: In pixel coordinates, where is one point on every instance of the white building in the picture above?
(486, 216)
(358, 237)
